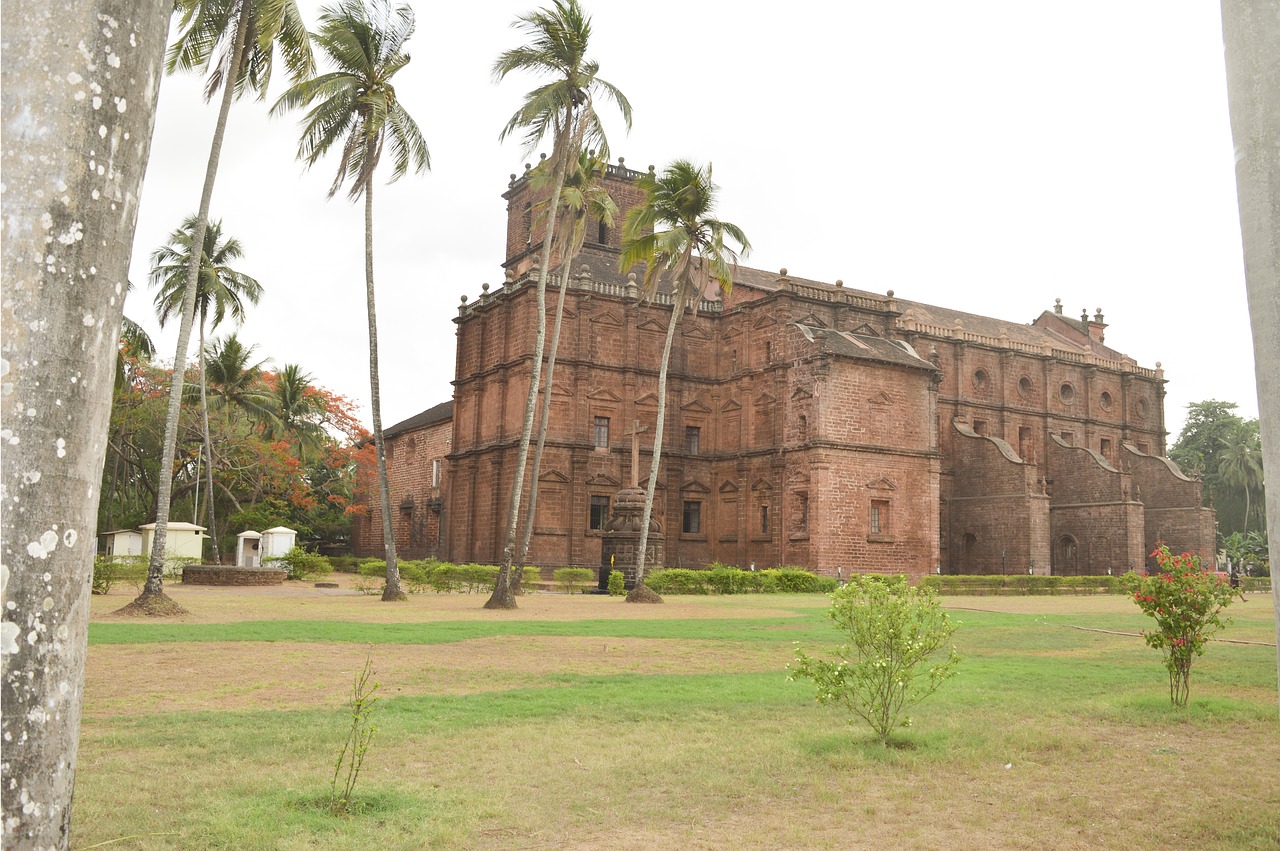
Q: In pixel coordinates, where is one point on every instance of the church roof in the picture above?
(865, 347)
(431, 416)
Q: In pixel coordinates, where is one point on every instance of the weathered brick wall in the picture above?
(210, 575)
(415, 503)
(1174, 515)
(997, 515)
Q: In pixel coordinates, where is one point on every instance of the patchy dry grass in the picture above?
(1048, 737)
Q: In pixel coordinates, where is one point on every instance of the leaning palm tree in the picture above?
(582, 198)
(220, 290)
(689, 256)
(235, 41)
(559, 36)
(355, 109)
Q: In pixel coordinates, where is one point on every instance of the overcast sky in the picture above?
(983, 156)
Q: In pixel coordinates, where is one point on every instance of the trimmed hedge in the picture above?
(573, 579)
(444, 577)
(722, 579)
(1019, 584)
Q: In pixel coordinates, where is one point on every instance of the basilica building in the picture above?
(808, 423)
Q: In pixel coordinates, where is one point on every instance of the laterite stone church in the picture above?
(808, 423)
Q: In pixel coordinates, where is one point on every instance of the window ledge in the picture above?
(880, 539)
(799, 536)
(692, 536)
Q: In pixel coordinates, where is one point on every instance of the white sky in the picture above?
(983, 156)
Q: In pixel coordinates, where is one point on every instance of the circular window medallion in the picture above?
(1105, 400)
(1141, 409)
(1067, 392)
(1025, 387)
(981, 380)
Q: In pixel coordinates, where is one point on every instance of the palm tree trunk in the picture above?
(59, 327)
(1251, 33)
(504, 590)
(208, 448)
(677, 308)
(527, 535)
(152, 597)
(393, 590)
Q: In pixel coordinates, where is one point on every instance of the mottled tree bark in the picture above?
(79, 91)
(1251, 32)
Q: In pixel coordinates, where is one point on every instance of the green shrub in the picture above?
(529, 575)
(573, 579)
(729, 580)
(1021, 583)
(372, 567)
(893, 631)
(1255, 583)
(344, 564)
(300, 564)
(617, 583)
(103, 575)
(677, 581)
(797, 580)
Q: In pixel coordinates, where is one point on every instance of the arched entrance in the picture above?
(1066, 557)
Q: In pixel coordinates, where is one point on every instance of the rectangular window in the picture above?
(768, 352)
(1144, 449)
(1106, 448)
(435, 473)
(1069, 438)
(980, 427)
(880, 517)
(599, 511)
(764, 519)
(601, 437)
(803, 499)
(692, 518)
(692, 439)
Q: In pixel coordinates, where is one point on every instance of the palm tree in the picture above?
(355, 109)
(235, 382)
(219, 290)
(582, 197)
(1241, 464)
(562, 107)
(243, 34)
(691, 255)
(298, 409)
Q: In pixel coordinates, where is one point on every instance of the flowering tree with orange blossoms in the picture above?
(1187, 604)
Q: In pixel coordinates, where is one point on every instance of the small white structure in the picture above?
(276, 542)
(247, 549)
(183, 540)
(124, 542)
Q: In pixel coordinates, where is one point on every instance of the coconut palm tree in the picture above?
(688, 257)
(355, 109)
(298, 409)
(1241, 464)
(236, 41)
(558, 41)
(582, 198)
(235, 382)
(220, 290)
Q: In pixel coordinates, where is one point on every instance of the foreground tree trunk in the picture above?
(1251, 32)
(153, 601)
(392, 591)
(72, 176)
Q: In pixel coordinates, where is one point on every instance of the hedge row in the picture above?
(445, 577)
(721, 579)
(1023, 585)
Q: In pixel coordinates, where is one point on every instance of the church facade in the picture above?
(807, 423)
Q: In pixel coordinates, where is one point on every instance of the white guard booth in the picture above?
(124, 542)
(276, 542)
(248, 549)
(183, 540)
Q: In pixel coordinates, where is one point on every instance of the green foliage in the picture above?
(1022, 584)
(300, 564)
(894, 629)
(343, 564)
(617, 583)
(723, 579)
(1187, 605)
(1219, 445)
(356, 746)
(528, 576)
(1248, 551)
(573, 579)
(103, 575)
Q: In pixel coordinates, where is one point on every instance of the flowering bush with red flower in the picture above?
(1187, 604)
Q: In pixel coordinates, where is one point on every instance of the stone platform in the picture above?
(217, 574)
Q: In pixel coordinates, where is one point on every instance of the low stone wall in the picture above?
(212, 574)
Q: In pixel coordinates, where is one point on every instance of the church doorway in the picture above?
(1066, 557)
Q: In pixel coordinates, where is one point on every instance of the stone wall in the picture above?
(215, 575)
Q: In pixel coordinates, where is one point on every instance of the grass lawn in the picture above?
(584, 722)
